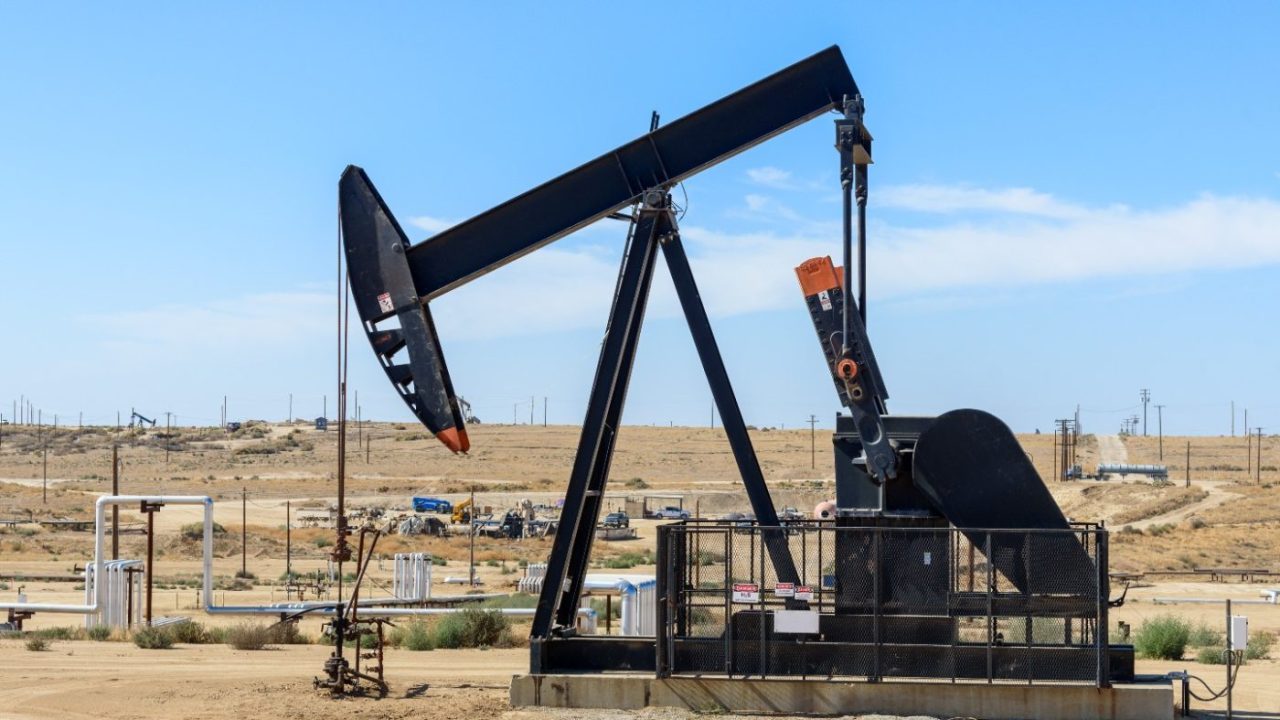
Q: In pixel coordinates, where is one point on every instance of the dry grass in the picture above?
(513, 462)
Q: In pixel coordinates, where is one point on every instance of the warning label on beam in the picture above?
(746, 592)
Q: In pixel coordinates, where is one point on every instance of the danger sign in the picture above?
(746, 592)
(804, 592)
(784, 590)
(384, 303)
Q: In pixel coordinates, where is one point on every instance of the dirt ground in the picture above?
(1225, 518)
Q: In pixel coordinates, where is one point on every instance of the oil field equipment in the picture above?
(944, 556)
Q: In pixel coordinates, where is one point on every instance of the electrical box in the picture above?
(1238, 633)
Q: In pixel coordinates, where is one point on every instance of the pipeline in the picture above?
(325, 607)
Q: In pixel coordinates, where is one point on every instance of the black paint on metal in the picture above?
(616, 179)
(567, 565)
(727, 403)
(971, 467)
(380, 278)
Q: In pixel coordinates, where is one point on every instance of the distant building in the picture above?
(322, 423)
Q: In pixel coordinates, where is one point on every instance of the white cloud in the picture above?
(770, 177)
(1020, 238)
(432, 225)
(261, 320)
(949, 199)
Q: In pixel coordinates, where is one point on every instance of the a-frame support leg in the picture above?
(566, 569)
(727, 403)
(569, 554)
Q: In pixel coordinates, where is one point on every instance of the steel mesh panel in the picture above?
(890, 602)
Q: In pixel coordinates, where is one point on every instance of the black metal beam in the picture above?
(726, 401)
(616, 179)
(581, 550)
(570, 550)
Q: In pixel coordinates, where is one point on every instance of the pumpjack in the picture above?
(962, 470)
(136, 417)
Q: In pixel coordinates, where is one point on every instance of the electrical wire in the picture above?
(1231, 682)
(683, 208)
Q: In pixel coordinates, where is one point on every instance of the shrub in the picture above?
(1211, 655)
(473, 628)
(629, 560)
(323, 542)
(369, 641)
(60, 633)
(1163, 638)
(287, 633)
(99, 632)
(152, 638)
(246, 575)
(36, 643)
(189, 633)
(413, 635)
(1203, 636)
(195, 531)
(249, 636)
(1259, 646)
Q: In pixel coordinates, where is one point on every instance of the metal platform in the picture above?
(999, 701)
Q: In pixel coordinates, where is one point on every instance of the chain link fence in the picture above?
(883, 602)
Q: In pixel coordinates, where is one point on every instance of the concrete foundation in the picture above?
(821, 697)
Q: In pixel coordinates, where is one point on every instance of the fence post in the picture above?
(878, 565)
(991, 621)
(728, 603)
(666, 594)
(764, 612)
(1102, 636)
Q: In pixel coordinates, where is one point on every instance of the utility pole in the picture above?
(1258, 464)
(514, 418)
(1160, 428)
(290, 408)
(44, 457)
(813, 441)
(1146, 397)
(1248, 453)
(532, 405)
(1188, 463)
(168, 429)
(288, 542)
(244, 532)
(325, 413)
(115, 509)
(1233, 418)
(544, 411)
(713, 412)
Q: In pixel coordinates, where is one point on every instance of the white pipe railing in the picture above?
(327, 607)
(638, 600)
(118, 577)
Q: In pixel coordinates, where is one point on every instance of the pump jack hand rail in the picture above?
(390, 278)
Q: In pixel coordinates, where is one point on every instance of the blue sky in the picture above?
(1069, 203)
